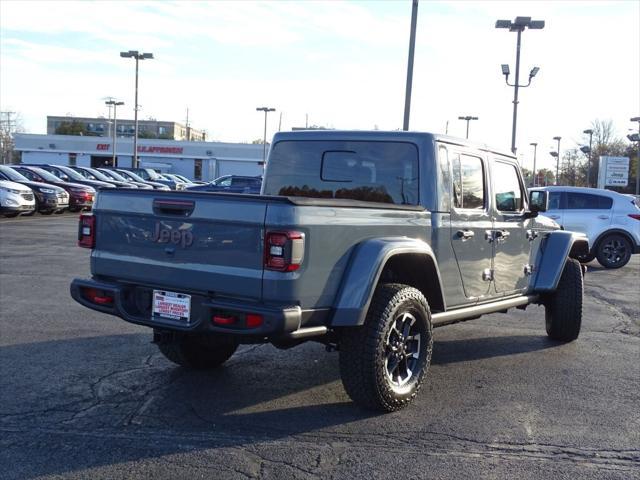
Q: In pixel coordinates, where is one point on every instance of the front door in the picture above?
(470, 220)
(511, 230)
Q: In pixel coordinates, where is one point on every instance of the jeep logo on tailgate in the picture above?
(184, 238)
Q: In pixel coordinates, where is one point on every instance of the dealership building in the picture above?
(195, 160)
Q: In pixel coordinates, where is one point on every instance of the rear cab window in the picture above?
(381, 172)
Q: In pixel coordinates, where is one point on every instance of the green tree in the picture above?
(146, 134)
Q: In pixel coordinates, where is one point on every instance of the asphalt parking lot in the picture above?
(85, 395)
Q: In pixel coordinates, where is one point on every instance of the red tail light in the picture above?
(87, 231)
(283, 251)
(97, 296)
(635, 216)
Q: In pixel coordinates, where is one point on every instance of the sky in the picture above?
(341, 64)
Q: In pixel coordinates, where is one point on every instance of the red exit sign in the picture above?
(103, 146)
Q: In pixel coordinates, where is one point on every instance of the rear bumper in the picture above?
(133, 304)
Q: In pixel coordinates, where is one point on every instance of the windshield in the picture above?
(13, 175)
(71, 173)
(131, 175)
(181, 177)
(114, 175)
(98, 174)
(48, 176)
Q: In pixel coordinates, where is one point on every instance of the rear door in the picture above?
(587, 213)
(470, 222)
(200, 242)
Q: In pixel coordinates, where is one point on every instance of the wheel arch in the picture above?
(399, 260)
(552, 256)
(612, 231)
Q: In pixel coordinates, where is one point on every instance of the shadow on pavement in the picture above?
(113, 399)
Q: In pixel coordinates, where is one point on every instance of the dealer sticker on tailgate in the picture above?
(176, 306)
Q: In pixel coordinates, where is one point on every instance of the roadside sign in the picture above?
(613, 172)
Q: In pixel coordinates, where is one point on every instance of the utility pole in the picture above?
(637, 119)
(114, 104)
(468, 118)
(590, 133)
(412, 47)
(518, 25)
(266, 110)
(533, 173)
(137, 56)
(557, 159)
(280, 122)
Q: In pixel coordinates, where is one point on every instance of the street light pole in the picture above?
(590, 133)
(114, 104)
(468, 118)
(266, 110)
(137, 56)
(637, 119)
(557, 159)
(518, 25)
(533, 174)
(412, 46)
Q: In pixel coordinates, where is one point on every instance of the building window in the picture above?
(72, 159)
(197, 169)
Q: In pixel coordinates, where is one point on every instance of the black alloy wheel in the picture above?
(614, 251)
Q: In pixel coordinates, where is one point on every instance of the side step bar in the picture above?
(468, 313)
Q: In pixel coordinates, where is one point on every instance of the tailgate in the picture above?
(185, 241)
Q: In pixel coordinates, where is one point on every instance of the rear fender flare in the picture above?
(552, 256)
(363, 274)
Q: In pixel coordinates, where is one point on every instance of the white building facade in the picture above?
(195, 160)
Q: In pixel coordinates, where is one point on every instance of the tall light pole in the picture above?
(412, 47)
(637, 119)
(114, 104)
(266, 110)
(518, 25)
(533, 174)
(589, 132)
(137, 56)
(468, 118)
(557, 158)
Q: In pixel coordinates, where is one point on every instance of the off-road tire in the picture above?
(198, 352)
(364, 350)
(563, 308)
(614, 251)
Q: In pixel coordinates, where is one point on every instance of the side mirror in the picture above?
(538, 201)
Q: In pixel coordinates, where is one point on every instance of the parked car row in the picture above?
(29, 188)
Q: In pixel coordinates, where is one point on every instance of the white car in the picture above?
(15, 199)
(610, 220)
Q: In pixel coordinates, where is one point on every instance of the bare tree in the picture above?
(10, 123)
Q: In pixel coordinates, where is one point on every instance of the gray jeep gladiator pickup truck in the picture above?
(363, 241)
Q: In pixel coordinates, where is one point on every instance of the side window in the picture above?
(445, 179)
(554, 200)
(224, 183)
(508, 191)
(468, 182)
(586, 201)
(239, 182)
(28, 174)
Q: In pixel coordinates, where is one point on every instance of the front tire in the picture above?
(198, 352)
(614, 251)
(384, 362)
(563, 308)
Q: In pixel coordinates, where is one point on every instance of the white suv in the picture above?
(610, 220)
(15, 199)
